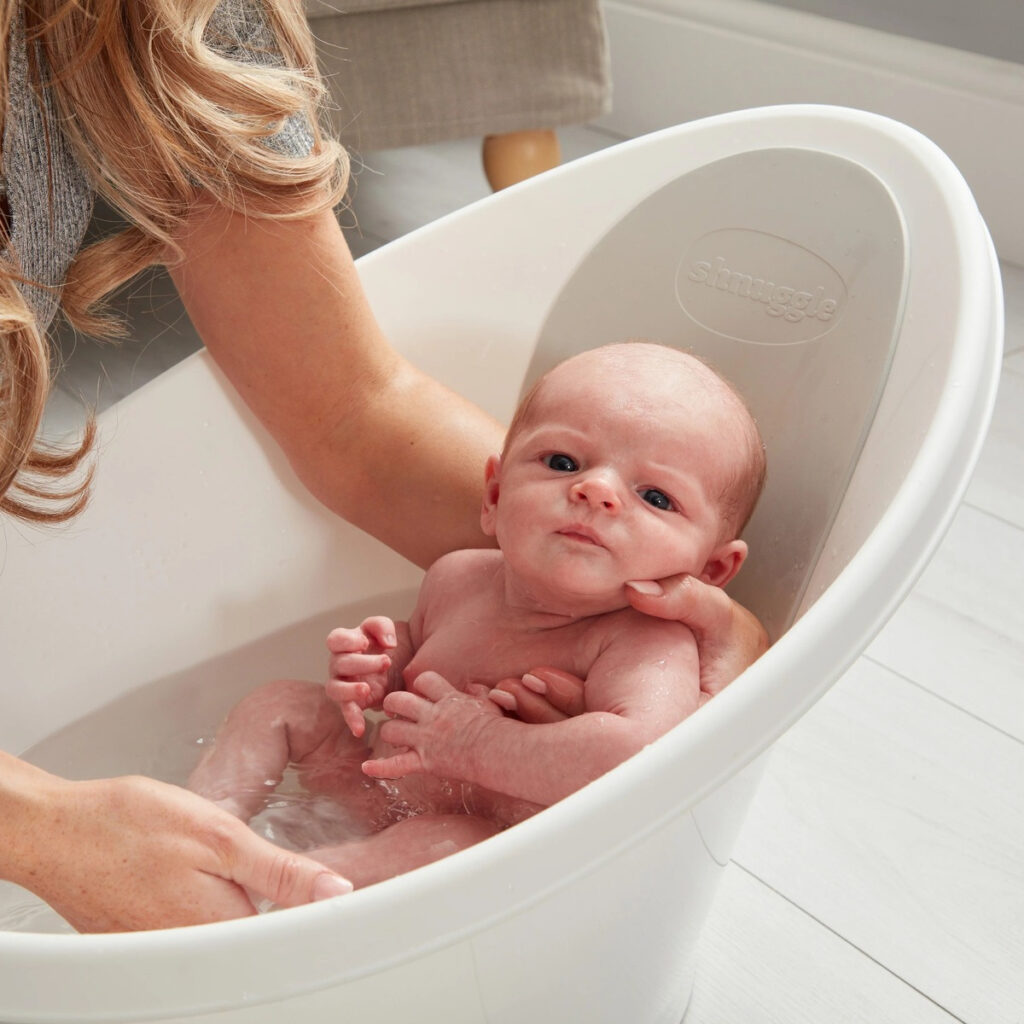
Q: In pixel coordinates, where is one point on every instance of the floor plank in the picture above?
(759, 952)
(960, 632)
(896, 821)
(998, 483)
(398, 190)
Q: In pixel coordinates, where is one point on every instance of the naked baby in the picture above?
(631, 462)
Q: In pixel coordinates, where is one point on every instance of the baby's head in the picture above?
(628, 462)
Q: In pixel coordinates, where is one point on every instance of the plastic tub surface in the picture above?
(831, 262)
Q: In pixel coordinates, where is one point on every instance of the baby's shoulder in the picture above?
(628, 626)
(460, 571)
(463, 561)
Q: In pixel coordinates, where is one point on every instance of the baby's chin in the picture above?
(579, 598)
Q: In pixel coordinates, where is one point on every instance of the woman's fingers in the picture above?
(285, 879)
(133, 853)
(562, 689)
(542, 696)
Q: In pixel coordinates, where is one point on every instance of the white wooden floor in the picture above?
(880, 877)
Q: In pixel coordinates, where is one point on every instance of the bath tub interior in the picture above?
(794, 296)
(776, 244)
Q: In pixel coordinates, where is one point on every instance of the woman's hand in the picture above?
(729, 638)
(541, 696)
(131, 853)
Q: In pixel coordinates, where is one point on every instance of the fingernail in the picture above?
(328, 886)
(503, 700)
(532, 682)
(651, 587)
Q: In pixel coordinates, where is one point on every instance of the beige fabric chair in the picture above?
(407, 72)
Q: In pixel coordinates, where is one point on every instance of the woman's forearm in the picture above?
(281, 308)
(408, 467)
(26, 800)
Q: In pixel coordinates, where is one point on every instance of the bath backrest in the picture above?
(787, 270)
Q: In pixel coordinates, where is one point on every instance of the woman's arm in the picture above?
(281, 309)
(132, 853)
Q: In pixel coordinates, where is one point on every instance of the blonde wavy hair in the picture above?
(157, 112)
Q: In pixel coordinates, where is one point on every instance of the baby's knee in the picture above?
(282, 695)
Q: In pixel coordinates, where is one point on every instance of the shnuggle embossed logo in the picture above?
(759, 288)
(779, 299)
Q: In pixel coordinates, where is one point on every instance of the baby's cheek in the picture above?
(672, 555)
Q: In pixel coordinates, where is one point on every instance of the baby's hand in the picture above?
(359, 668)
(435, 727)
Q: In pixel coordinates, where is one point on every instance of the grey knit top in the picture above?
(49, 197)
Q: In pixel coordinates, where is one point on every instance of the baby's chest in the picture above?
(481, 652)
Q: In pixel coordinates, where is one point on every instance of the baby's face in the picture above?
(608, 482)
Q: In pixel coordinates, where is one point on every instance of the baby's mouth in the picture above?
(581, 533)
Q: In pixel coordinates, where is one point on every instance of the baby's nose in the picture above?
(598, 491)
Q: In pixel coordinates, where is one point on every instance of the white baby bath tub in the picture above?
(831, 262)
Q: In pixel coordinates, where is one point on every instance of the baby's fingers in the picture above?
(380, 629)
(395, 767)
(433, 686)
(403, 704)
(342, 691)
(353, 715)
(349, 666)
(342, 640)
(351, 698)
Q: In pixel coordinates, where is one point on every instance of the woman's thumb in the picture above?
(287, 879)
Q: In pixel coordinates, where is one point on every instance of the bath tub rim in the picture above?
(826, 631)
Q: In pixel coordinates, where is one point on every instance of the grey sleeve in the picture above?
(238, 30)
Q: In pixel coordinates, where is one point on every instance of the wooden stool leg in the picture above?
(515, 156)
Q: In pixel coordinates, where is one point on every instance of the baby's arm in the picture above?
(645, 681)
(366, 663)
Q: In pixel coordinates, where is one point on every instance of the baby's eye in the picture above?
(659, 499)
(561, 463)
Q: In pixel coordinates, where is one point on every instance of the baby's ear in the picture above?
(489, 511)
(724, 563)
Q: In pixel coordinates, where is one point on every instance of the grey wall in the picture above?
(991, 27)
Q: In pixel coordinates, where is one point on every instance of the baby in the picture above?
(630, 462)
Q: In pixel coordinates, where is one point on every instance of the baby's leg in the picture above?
(281, 722)
(406, 845)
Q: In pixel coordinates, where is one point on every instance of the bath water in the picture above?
(161, 728)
